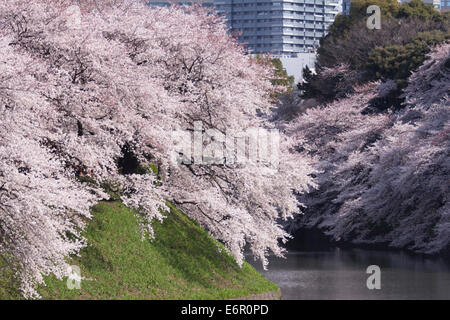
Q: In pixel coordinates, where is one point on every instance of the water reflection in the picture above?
(341, 274)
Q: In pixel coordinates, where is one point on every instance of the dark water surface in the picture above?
(341, 274)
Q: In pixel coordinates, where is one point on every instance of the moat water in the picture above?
(342, 274)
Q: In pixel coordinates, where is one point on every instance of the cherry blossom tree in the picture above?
(90, 94)
(405, 198)
(385, 176)
(332, 134)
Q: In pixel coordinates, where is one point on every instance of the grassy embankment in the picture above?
(181, 262)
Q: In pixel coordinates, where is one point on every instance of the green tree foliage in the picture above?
(306, 85)
(398, 61)
(408, 32)
(417, 9)
(282, 82)
(343, 23)
(281, 78)
(331, 83)
(390, 9)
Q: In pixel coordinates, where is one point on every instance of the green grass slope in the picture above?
(181, 262)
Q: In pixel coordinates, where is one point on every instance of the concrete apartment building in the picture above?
(283, 27)
(445, 5)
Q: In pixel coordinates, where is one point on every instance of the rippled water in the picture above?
(341, 274)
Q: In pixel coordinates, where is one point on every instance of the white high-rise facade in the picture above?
(283, 27)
